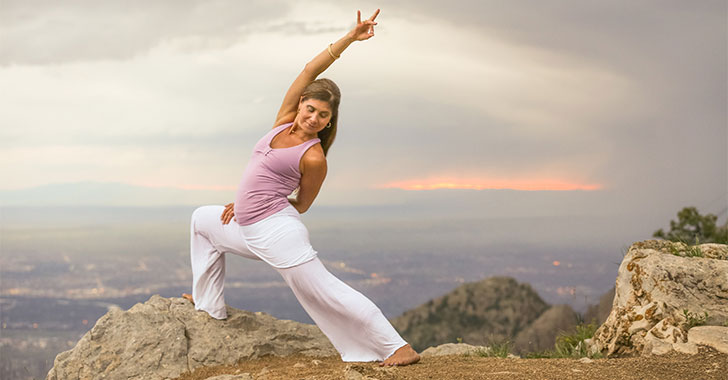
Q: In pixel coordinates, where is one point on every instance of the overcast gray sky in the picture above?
(622, 99)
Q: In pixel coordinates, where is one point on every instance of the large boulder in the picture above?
(162, 338)
(662, 290)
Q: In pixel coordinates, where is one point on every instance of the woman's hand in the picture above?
(228, 213)
(363, 30)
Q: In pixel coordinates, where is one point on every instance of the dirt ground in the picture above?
(707, 364)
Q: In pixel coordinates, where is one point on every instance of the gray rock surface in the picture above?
(242, 376)
(162, 338)
(713, 336)
(453, 349)
(458, 349)
(660, 292)
(367, 372)
(541, 334)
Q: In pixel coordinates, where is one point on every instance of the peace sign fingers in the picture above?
(376, 13)
(364, 30)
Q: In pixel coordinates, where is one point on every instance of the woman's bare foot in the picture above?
(188, 297)
(403, 356)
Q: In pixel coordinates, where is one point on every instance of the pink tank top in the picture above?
(271, 175)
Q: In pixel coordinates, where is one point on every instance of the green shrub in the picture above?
(693, 320)
(570, 345)
(688, 250)
(692, 226)
(496, 348)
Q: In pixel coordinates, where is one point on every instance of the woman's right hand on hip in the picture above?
(228, 213)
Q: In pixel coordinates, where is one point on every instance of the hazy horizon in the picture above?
(557, 254)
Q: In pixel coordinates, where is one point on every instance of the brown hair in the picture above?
(327, 91)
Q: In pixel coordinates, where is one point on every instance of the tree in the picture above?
(693, 228)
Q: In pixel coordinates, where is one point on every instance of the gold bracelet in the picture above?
(331, 53)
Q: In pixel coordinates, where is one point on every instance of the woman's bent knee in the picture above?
(203, 215)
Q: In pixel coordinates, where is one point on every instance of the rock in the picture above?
(714, 251)
(162, 338)
(655, 346)
(263, 373)
(480, 313)
(541, 334)
(660, 292)
(713, 336)
(242, 376)
(356, 372)
(453, 349)
(352, 374)
(686, 348)
(299, 365)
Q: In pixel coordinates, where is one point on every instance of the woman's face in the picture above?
(313, 115)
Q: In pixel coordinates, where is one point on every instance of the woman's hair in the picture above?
(327, 91)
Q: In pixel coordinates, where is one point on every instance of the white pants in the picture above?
(354, 325)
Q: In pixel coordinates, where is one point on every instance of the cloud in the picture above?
(526, 184)
(630, 96)
(51, 32)
(617, 92)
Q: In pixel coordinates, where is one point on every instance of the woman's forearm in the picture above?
(323, 60)
(363, 30)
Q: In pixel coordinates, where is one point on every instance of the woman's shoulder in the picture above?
(314, 155)
(313, 160)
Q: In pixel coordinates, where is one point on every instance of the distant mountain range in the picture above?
(436, 203)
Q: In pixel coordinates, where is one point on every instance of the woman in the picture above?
(268, 226)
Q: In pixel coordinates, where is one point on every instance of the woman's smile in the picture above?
(314, 114)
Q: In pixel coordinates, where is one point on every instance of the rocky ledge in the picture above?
(669, 296)
(162, 338)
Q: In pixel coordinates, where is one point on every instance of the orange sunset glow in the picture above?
(491, 184)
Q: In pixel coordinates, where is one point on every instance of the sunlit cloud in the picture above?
(490, 184)
(188, 186)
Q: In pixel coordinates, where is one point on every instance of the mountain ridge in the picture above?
(493, 309)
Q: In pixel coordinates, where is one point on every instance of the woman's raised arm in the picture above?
(363, 30)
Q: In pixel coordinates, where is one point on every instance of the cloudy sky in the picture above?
(620, 99)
